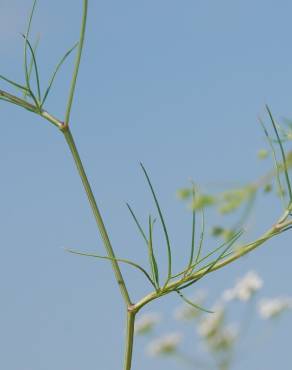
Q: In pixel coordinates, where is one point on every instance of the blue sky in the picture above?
(176, 85)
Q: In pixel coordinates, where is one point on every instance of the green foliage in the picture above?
(30, 65)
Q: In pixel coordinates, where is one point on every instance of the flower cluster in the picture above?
(209, 325)
(218, 335)
(146, 323)
(245, 288)
(165, 345)
(269, 308)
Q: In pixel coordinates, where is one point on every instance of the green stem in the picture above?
(77, 62)
(18, 101)
(129, 340)
(98, 218)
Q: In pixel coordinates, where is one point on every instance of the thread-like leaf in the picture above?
(162, 222)
(193, 230)
(152, 259)
(278, 178)
(137, 223)
(56, 72)
(122, 260)
(247, 210)
(15, 84)
(222, 255)
(232, 239)
(210, 266)
(26, 67)
(202, 236)
(283, 155)
(194, 305)
(35, 68)
(31, 64)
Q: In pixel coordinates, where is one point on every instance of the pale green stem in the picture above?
(77, 62)
(18, 101)
(104, 235)
(129, 340)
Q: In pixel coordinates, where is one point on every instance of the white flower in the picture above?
(146, 323)
(186, 311)
(225, 337)
(211, 323)
(269, 308)
(245, 288)
(165, 345)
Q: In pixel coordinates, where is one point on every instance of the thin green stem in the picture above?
(129, 340)
(98, 218)
(77, 62)
(18, 101)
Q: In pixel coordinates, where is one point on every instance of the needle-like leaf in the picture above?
(278, 178)
(26, 67)
(202, 236)
(194, 305)
(222, 254)
(137, 223)
(193, 229)
(55, 73)
(283, 155)
(31, 64)
(35, 69)
(152, 259)
(232, 239)
(206, 269)
(122, 260)
(162, 222)
(15, 84)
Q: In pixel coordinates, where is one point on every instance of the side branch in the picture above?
(280, 226)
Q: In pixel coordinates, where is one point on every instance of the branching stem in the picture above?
(98, 218)
(280, 226)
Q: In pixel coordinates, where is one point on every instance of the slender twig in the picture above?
(77, 63)
(122, 260)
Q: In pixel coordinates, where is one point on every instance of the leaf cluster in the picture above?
(30, 98)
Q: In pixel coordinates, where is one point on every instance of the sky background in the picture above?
(178, 85)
